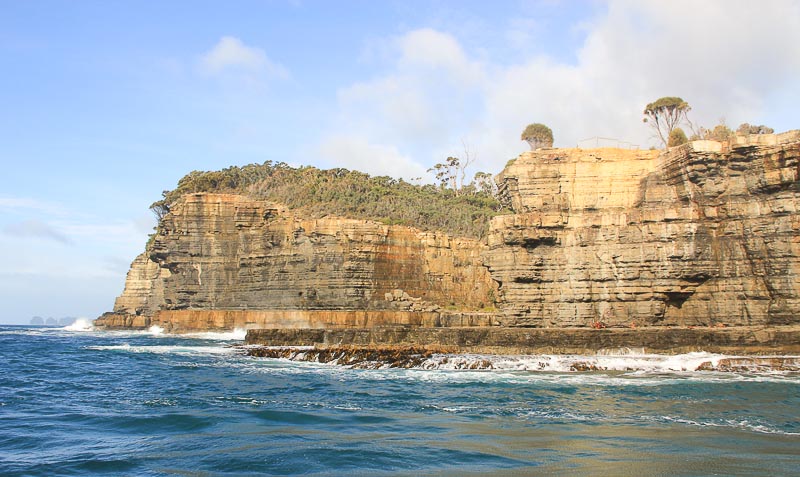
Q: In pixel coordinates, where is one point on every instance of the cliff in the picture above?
(705, 234)
(221, 261)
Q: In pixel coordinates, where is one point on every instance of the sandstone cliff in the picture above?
(222, 260)
(705, 234)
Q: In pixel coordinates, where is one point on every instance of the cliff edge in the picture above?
(702, 235)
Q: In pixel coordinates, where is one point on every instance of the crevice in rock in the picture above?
(678, 298)
(532, 243)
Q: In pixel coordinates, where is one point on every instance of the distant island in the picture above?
(50, 321)
(693, 247)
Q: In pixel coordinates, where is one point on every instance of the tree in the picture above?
(485, 184)
(677, 137)
(447, 172)
(160, 208)
(745, 128)
(721, 133)
(664, 115)
(537, 135)
(453, 172)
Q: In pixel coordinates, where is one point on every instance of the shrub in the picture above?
(677, 137)
(348, 193)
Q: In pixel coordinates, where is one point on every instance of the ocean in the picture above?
(74, 401)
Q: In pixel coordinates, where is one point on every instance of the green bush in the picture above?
(677, 137)
(346, 193)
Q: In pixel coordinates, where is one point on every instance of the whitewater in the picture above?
(77, 401)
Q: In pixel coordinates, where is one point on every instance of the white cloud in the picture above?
(522, 32)
(724, 58)
(36, 229)
(440, 53)
(728, 59)
(420, 106)
(25, 205)
(353, 152)
(99, 232)
(230, 54)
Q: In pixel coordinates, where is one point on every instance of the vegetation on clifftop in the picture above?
(451, 206)
(537, 135)
(346, 193)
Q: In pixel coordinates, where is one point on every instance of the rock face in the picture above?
(515, 340)
(223, 260)
(705, 234)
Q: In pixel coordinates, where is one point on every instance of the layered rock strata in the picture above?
(221, 261)
(508, 340)
(705, 234)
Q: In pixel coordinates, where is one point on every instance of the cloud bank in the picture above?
(731, 60)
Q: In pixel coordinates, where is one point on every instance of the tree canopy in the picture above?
(537, 135)
(665, 114)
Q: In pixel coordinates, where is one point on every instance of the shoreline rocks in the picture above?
(428, 358)
(497, 340)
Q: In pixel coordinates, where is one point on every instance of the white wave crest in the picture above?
(176, 349)
(155, 330)
(81, 324)
(731, 423)
(622, 361)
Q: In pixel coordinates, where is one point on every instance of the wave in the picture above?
(80, 325)
(630, 368)
(166, 349)
(283, 367)
(743, 424)
(237, 334)
(607, 361)
(620, 361)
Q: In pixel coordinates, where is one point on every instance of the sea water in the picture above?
(75, 401)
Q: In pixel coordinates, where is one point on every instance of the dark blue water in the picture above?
(90, 403)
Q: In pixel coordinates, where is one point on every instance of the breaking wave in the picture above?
(81, 324)
(626, 361)
(166, 349)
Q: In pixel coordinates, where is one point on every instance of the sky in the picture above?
(105, 104)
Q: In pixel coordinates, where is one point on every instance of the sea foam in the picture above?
(624, 361)
(81, 324)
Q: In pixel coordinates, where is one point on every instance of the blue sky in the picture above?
(104, 104)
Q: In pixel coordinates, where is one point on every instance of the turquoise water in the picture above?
(94, 403)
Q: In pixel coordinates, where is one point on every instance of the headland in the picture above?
(693, 248)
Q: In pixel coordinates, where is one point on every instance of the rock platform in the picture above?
(500, 340)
